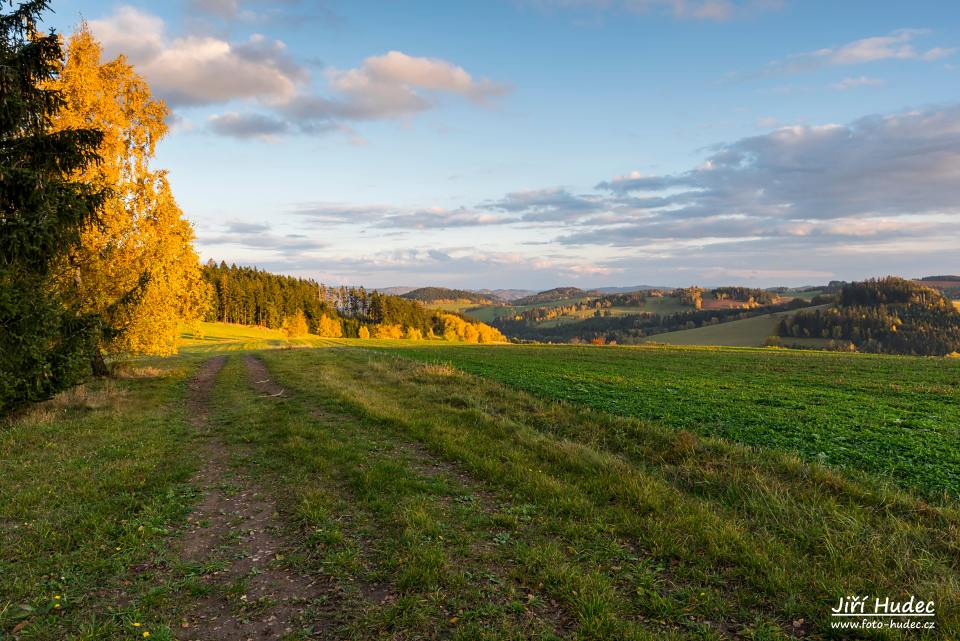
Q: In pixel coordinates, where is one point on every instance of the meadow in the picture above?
(427, 490)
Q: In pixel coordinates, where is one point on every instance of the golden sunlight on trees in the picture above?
(137, 269)
(330, 327)
(458, 329)
(295, 325)
(45, 343)
(364, 332)
(386, 330)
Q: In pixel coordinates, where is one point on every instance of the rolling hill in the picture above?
(554, 295)
(445, 295)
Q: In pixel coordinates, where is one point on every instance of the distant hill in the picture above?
(628, 290)
(444, 294)
(394, 291)
(951, 279)
(553, 295)
(507, 294)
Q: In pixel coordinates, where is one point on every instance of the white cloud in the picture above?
(197, 70)
(391, 86)
(206, 70)
(897, 45)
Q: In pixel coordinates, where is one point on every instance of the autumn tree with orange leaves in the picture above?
(137, 269)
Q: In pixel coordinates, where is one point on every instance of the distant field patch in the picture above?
(726, 303)
(749, 332)
(665, 305)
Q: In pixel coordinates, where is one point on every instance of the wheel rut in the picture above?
(235, 542)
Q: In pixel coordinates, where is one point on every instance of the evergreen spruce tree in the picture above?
(45, 345)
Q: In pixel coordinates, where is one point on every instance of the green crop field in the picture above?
(387, 490)
(890, 415)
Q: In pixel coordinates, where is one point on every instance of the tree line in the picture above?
(250, 296)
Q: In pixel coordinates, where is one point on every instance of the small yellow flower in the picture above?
(137, 624)
(118, 548)
(56, 597)
(146, 633)
(56, 605)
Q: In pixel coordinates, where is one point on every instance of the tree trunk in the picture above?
(98, 365)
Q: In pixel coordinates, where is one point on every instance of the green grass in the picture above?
(480, 506)
(554, 493)
(893, 416)
(92, 484)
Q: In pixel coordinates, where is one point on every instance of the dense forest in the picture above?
(889, 315)
(249, 296)
(745, 294)
(633, 328)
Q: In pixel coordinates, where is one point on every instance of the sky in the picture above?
(539, 143)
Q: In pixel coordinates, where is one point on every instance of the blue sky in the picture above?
(535, 143)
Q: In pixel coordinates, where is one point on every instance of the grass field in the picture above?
(893, 416)
(397, 495)
(749, 332)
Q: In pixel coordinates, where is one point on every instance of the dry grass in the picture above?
(105, 394)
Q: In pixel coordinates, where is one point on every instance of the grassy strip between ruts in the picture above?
(893, 416)
(635, 531)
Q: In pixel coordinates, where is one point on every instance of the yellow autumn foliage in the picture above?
(364, 332)
(329, 327)
(138, 268)
(458, 329)
(295, 325)
(385, 330)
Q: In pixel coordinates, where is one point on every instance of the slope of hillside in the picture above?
(749, 332)
(444, 294)
(507, 294)
(554, 295)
